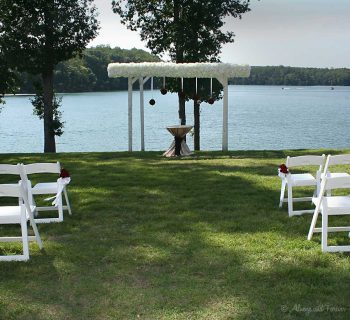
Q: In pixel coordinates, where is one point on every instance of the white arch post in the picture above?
(224, 82)
(142, 115)
(142, 112)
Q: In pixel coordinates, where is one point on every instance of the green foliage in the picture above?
(49, 31)
(89, 72)
(189, 31)
(73, 76)
(280, 75)
(38, 110)
(8, 79)
(98, 58)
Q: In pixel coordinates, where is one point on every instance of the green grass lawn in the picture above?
(156, 238)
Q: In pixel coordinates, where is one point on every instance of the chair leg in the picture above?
(60, 208)
(313, 224)
(67, 201)
(290, 201)
(283, 189)
(25, 241)
(37, 235)
(324, 237)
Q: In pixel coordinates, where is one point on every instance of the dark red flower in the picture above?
(283, 168)
(163, 91)
(64, 173)
(211, 100)
(152, 102)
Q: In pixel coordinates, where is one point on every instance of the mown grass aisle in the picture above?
(156, 238)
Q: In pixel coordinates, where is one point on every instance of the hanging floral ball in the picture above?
(196, 97)
(152, 102)
(163, 91)
(211, 100)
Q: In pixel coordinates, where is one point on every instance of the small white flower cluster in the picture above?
(178, 70)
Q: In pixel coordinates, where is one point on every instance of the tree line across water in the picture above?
(89, 73)
(295, 76)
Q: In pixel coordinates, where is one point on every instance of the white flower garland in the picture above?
(178, 70)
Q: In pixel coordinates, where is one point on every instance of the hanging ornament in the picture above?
(211, 99)
(152, 102)
(163, 91)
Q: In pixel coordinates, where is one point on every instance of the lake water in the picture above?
(260, 117)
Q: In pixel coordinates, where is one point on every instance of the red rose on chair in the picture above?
(64, 173)
(283, 168)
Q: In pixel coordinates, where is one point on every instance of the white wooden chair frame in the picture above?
(46, 188)
(301, 180)
(20, 214)
(331, 206)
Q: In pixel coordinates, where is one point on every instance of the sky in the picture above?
(303, 33)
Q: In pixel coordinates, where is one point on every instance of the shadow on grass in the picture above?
(156, 238)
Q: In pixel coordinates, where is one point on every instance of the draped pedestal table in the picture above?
(178, 146)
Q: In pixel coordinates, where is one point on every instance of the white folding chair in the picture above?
(18, 214)
(44, 188)
(292, 180)
(331, 206)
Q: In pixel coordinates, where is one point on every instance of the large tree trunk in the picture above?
(182, 110)
(196, 113)
(49, 135)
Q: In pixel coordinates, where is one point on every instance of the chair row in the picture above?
(324, 182)
(291, 180)
(27, 210)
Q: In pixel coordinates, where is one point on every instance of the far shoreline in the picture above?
(147, 89)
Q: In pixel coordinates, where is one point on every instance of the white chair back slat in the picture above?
(338, 159)
(42, 168)
(9, 169)
(10, 190)
(305, 161)
(337, 183)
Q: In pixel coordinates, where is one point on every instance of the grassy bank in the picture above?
(156, 238)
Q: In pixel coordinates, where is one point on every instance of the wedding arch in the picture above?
(144, 70)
